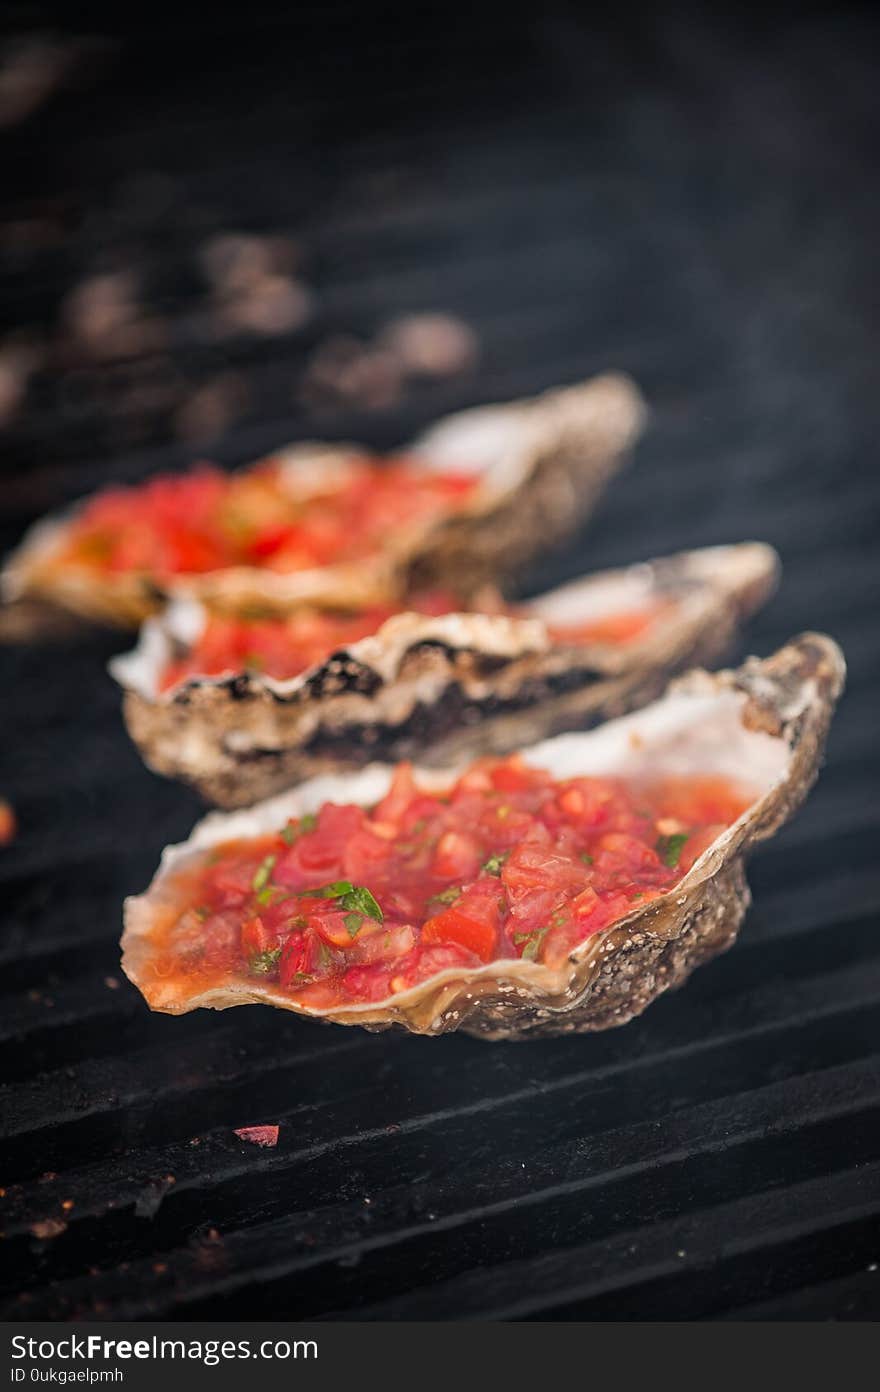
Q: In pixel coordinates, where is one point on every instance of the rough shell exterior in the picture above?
(437, 689)
(542, 462)
(778, 709)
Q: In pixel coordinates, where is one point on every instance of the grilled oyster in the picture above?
(539, 463)
(438, 688)
(763, 724)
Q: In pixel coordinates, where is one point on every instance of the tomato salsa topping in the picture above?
(283, 647)
(355, 904)
(206, 520)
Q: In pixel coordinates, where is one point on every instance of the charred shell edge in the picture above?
(439, 688)
(784, 709)
(544, 461)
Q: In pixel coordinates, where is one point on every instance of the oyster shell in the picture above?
(763, 724)
(435, 688)
(541, 461)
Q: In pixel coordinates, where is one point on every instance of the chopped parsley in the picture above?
(586, 857)
(532, 942)
(263, 874)
(669, 848)
(446, 896)
(290, 832)
(354, 897)
(203, 911)
(269, 894)
(494, 863)
(353, 924)
(265, 962)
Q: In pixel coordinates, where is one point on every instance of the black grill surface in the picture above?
(692, 200)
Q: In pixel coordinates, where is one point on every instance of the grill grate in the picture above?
(660, 203)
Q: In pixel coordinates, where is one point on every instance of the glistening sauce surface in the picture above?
(357, 904)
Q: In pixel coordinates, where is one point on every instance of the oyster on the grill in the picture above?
(762, 725)
(438, 688)
(538, 464)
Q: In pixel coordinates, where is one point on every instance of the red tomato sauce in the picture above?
(282, 648)
(357, 904)
(206, 520)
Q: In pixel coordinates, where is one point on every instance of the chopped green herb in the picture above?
(532, 942)
(586, 857)
(669, 848)
(446, 896)
(353, 924)
(354, 897)
(361, 901)
(293, 830)
(263, 874)
(203, 911)
(265, 962)
(494, 863)
(325, 956)
(329, 891)
(269, 894)
(303, 978)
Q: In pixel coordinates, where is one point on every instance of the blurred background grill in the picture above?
(694, 200)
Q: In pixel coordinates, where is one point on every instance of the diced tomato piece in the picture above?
(399, 796)
(536, 880)
(457, 857)
(589, 801)
(342, 929)
(256, 937)
(584, 903)
(618, 854)
(367, 983)
(428, 960)
(366, 853)
(386, 942)
(187, 551)
(267, 542)
(472, 921)
(266, 1136)
(320, 853)
(295, 961)
(512, 776)
(230, 878)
